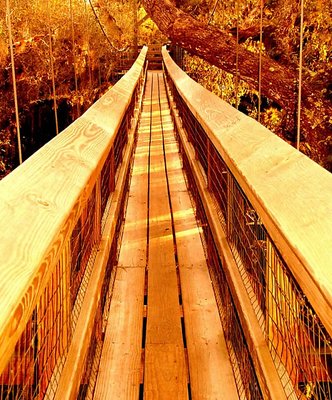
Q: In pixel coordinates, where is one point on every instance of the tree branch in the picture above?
(279, 83)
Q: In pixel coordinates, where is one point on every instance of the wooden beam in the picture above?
(211, 374)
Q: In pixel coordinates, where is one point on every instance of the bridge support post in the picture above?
(209, 179)
(112, 171)
(98, 212)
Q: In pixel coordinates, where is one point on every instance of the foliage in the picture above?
(126, 21)
(148, 32)
(281, 25)
(93, 57)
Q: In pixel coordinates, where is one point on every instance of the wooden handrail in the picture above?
(290, 192)
(41, 201)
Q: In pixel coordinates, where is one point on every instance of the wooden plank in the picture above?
(119, 374)
(165, 371)
(120, 365)
(164, 316)
(211, 374)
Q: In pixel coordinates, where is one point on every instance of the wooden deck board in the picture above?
(165, 366)
(119, 375)
(165, 373)
(164, 317)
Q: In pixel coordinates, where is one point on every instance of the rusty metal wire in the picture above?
(33, 370)
(82, 241)
(299, 344)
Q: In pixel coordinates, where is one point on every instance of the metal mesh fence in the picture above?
(34, 368)
(299, 344)
(82, 241)
(107, 180)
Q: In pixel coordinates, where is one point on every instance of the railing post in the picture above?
(229, 206)
(112, 171)
(209, 160)
(195, 139)
(98, 214)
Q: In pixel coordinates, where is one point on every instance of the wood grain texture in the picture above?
(133, 245)
(165, 373)
(291, 193)
(41, 200)
(165, 367)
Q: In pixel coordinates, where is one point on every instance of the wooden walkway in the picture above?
(164, 338)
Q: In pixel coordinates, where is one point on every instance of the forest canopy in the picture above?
(209, 30)
(91, 38)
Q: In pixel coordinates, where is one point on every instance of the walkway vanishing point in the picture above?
(145, 257)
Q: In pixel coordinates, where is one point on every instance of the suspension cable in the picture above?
(260, 63)
(300, 79)
(9, 23)
(103, 30)
(52, 67)
(213, 11)
(237, 56)
(88, 47)
(74, 54)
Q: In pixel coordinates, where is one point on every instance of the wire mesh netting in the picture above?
(33, 369)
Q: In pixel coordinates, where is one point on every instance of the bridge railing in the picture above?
(266, 213)
(61, 214)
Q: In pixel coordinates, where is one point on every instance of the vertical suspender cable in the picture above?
(74, 54)
(260, 63)
(8, 11)
(237, 56)
(213, 11)
(300, 80)
(88, 47)
(99, 73)
(52, 67)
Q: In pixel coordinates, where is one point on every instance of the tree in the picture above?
(279, 76)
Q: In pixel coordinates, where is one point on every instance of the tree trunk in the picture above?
(279, 83)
